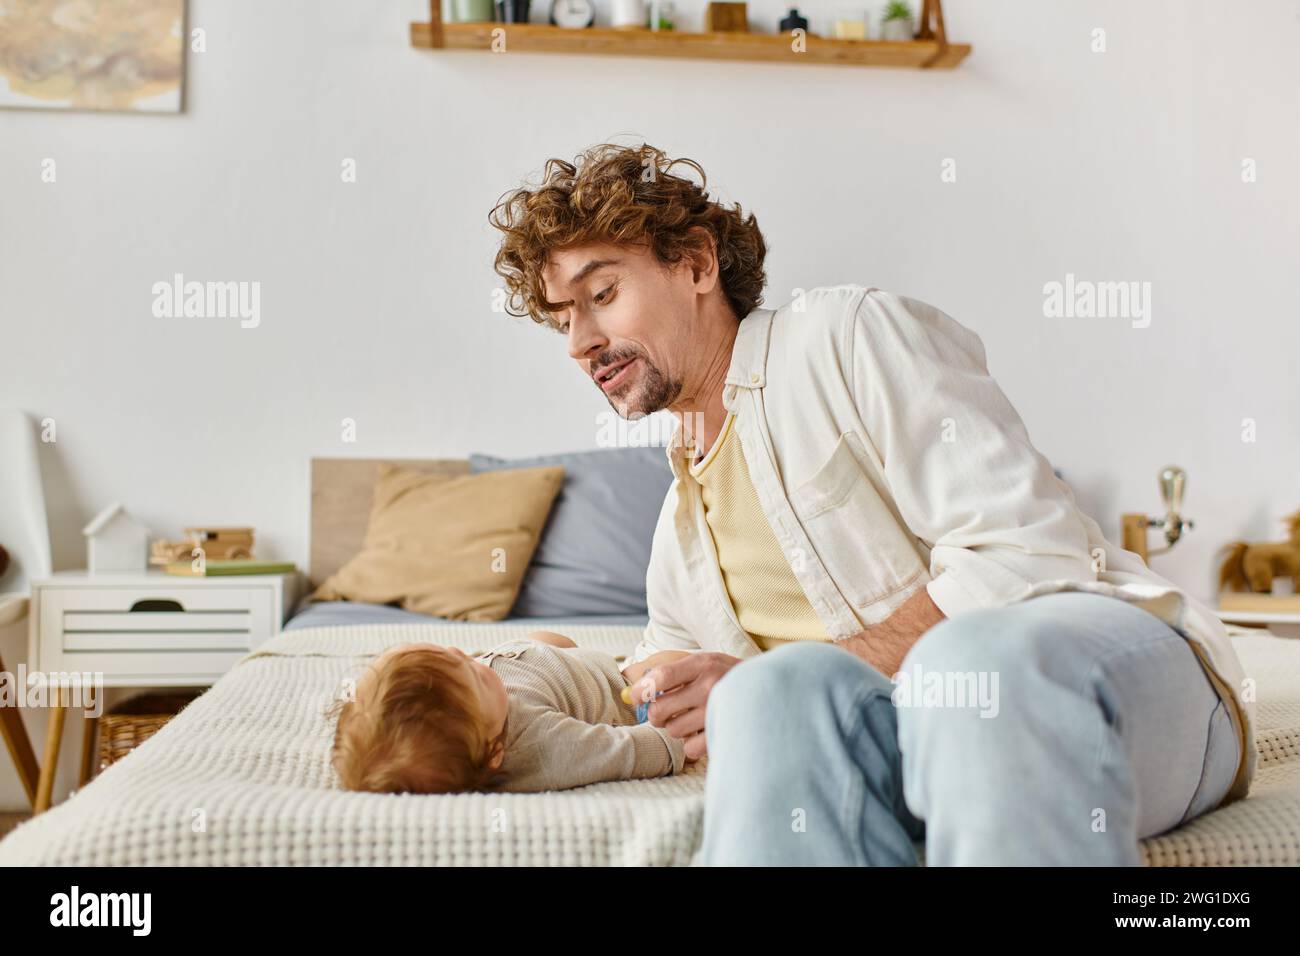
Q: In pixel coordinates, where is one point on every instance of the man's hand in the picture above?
(634, 672)
(685, 684)
(884, 645)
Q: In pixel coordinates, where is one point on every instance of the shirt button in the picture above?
(753, 376)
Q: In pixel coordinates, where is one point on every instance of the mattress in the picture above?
(242, 777)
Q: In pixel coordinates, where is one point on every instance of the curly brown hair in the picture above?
(417, 730)
(621, 195)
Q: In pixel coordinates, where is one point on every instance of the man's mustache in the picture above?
(611, 358)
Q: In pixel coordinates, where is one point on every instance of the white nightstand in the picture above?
(153, 628)
(146, 629)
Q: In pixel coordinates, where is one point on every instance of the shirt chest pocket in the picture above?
(868, 552)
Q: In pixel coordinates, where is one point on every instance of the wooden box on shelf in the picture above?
(726, 18)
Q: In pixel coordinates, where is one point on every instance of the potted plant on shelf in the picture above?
(896, 21)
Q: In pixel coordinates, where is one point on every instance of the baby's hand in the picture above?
(635, 672)
(550, 637)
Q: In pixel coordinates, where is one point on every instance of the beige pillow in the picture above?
(456, 547)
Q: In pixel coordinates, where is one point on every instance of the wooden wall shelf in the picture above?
(930, 50)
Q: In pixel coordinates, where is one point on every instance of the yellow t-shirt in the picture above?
(766, 596)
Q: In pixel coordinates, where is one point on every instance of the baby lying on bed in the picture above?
(537, 713)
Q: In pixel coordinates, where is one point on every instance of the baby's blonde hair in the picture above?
(419, 729)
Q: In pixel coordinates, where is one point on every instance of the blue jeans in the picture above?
(1059, 731)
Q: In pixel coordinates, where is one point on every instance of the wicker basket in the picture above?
(130, 723)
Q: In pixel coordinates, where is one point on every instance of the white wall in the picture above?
(376, 296)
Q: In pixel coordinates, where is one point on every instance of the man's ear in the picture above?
(498, 756)
(703, 258)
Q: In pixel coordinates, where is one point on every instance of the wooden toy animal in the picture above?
(1252, 567)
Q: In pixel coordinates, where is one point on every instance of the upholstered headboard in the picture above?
(341, 492)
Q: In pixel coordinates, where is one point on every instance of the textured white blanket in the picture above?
(242, 776)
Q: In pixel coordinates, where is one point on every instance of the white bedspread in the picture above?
(242, 776)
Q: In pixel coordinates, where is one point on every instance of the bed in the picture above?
(242, 776)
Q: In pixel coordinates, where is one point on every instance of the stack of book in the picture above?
(219, 566)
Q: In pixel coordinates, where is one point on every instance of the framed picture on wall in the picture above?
(112, 55)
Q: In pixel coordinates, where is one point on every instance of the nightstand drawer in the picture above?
(173, 618)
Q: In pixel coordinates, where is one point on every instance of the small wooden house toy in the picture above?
(116, 542)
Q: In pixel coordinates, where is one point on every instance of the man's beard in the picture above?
(655, 392)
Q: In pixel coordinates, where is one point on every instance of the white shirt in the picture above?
(886, 459)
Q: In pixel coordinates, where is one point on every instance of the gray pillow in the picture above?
(595, 548)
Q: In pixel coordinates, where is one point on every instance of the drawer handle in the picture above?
(156, 604)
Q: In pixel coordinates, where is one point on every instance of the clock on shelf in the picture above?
(574, 14)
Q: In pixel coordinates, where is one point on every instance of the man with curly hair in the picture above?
(849, 550)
